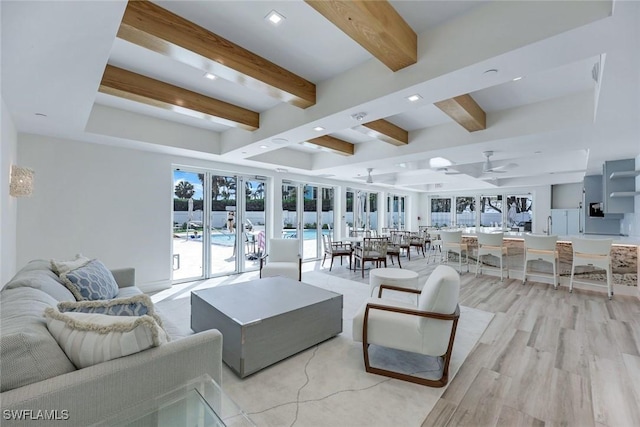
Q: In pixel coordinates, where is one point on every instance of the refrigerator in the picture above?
(565, 222)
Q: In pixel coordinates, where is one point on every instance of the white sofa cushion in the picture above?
(88, 339)
(28, 352)
(37, 274)
(285, 269)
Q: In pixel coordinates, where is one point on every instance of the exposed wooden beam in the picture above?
(334, 144)
(136, 87)
(385, 131)
(376, 26)
(464, 110)
(157, 29)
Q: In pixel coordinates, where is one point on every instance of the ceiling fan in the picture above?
(487, 166)
(369, 178)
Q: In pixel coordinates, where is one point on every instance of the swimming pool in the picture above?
(306, 234)
(225, 239)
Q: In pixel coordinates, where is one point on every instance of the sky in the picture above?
(189, 177)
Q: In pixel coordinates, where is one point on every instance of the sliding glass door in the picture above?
(230, 237)
(307, 217)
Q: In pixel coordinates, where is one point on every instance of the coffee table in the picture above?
(201, 403)
(267, 320)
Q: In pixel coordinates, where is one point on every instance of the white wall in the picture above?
(104, 202)
(111, 203)
(8, 204)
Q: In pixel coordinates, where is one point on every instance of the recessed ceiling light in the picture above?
(274, 17)
(402, 165)
(264, 146)
(517, 78)
(414, 98)
(210, 76)
(359, 116)
(318, 128)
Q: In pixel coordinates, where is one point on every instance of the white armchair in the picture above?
(284, 259)
(428, 328)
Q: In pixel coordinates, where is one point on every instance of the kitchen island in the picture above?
(624, 258)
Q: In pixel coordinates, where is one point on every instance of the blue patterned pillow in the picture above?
(93, 281)
(137, 305)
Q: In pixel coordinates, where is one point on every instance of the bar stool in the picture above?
(593, 253)
(540, 248)
(492, 244)
(452, 242)
(434, 246)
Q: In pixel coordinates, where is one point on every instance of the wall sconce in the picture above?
(21, 184)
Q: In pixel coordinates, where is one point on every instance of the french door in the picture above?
(307, 213)
(220, 233)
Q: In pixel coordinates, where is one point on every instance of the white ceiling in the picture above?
(541, 128)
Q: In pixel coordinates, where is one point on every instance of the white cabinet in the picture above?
(565, 222)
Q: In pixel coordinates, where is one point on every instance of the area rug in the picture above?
(327, 385)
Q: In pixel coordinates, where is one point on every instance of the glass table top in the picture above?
(200, 403)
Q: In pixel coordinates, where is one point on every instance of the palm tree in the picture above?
(259, 191)
(184, 190)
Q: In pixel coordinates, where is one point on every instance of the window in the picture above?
(440, 212)
(520, 211)
(491, 211)
(466, 211)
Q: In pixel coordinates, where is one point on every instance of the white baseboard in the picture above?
(149, 288)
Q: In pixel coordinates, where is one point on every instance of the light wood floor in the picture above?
(548, 357)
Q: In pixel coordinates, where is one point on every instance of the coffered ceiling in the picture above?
(552, 89)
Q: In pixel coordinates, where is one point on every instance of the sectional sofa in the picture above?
(37, 376)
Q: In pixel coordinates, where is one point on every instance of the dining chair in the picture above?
(373, 249)
(336, 249)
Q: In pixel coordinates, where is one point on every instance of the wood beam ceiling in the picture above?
(334, 144)
(376, 26)
(135, 87)
(464, 110)
(157, 29)
(385, 131)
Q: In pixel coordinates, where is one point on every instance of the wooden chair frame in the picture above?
(444, 379)
(335, 249)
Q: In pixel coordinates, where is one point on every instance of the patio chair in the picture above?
(284, 259)
(336, 249)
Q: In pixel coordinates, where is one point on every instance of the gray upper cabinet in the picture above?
(619, 185)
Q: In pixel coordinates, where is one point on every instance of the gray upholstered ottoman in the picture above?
(264, 321)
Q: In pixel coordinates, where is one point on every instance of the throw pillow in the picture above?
(61, 267)
(93, 281)
(137, 305)
(89, 338)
